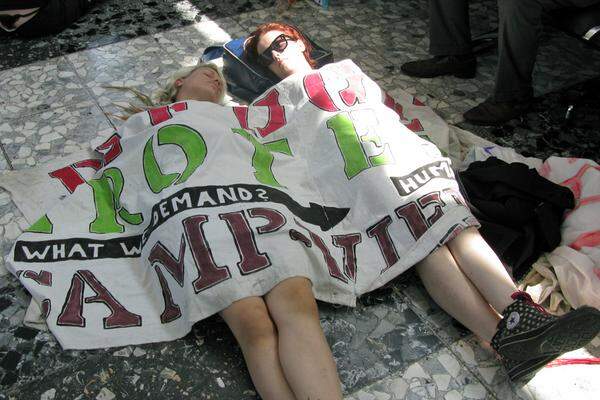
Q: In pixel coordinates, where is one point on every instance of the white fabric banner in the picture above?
(34, 190)
(197, 205)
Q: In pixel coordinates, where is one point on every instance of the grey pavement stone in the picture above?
(185, 45)
(380, 336)
(39, 87)
(439, 375)
(38, 138)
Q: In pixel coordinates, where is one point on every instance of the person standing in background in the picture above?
(519, 30)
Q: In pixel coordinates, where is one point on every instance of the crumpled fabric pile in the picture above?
(568, 275)
(520, 211)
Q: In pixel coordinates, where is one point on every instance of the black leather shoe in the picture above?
(459, 66)
(491, 112)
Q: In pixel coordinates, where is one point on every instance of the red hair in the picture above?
(251, 44)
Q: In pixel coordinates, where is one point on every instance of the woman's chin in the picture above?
(285, 72)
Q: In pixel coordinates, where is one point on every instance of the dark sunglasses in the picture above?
(278, 44)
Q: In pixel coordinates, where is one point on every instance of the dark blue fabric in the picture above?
(211, 53)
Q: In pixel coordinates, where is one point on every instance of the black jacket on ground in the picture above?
(520, 211)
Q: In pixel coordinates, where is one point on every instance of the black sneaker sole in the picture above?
(523, 371)
(567, 333)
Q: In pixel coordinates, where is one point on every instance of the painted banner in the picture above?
(196, 205)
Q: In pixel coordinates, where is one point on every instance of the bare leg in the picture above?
(484, 269)
(455, 293)
(255, 332)
(304, 353)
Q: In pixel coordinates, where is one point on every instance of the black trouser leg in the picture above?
(449, 28)
(520, 26)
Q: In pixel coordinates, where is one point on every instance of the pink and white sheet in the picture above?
(576, 262)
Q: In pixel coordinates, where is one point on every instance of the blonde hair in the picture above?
(166, 94)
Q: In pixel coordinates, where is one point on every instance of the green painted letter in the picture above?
(107, 202)
(351, 147)
(192, 144)
(42, 225)
(262, 160)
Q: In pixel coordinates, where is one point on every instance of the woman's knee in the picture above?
(250, 323)
(292, 302)
(439, 258)
(465, 236)
(467, 240)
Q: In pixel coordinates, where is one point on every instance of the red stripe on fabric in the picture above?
(589, 200)
(588, 239)
(573, 361)
(574, 183)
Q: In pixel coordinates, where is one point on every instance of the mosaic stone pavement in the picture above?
(397, 343)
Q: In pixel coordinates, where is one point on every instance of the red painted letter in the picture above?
(210, 273)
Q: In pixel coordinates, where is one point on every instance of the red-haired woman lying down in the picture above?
(463, 275)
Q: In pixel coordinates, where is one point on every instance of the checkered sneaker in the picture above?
(528, 332)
